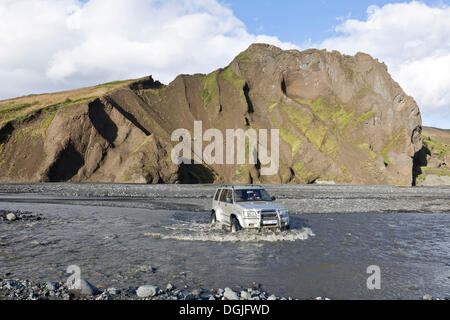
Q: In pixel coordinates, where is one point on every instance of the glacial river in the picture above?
(115, 238)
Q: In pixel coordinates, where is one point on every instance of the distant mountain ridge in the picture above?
(341, 118)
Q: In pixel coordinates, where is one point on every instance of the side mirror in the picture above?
(229, 200)
(273, 198)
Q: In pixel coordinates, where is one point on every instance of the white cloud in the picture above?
(413, 39)
(49, 45)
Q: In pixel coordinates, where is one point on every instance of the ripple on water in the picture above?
(206, 232)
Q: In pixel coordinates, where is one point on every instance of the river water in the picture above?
(114, 239)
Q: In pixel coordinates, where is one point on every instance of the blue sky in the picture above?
(298, 21)
(78, 43)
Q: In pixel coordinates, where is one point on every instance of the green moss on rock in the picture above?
(435, 171)
(426, 171)
(46, 123)
(292, 139)
(126, 178)
(436, 147)
(210, 92)
(301, 171)
(335, 114)
(243, 57)
(342, 118)
(365, 116)
(229, 76)
(272, 107)
(391, 142)
(146, 141)
(241, 173)
(365, 147)
(329, 146)
(298, 117)
(316, 133)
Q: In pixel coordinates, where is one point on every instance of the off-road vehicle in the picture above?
(247, 207)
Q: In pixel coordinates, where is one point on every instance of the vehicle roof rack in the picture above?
(240, 185)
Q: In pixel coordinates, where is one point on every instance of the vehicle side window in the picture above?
(228, 194)
(223, 195)
(216, 197)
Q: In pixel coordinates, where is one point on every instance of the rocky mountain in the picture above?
(433, 161)
(340, 118)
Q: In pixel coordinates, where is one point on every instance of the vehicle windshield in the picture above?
(245, 195)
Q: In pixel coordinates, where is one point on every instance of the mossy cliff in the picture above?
(433, 161)
(341, 118)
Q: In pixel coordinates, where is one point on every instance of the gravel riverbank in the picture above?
(314, 199)
(29, 290)
(11, 216)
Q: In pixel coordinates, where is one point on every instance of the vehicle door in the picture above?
(215, 201)
(226, 205)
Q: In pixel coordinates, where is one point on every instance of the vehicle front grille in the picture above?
(269, 215)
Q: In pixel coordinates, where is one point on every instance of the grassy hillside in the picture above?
(18, 108)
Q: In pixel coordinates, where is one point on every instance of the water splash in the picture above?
(205, 232)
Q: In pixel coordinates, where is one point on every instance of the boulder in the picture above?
(230, 294)
(169, 287)
(245, 295)
(113, 291)
(88, 289)
(147, 291)
(51, 286)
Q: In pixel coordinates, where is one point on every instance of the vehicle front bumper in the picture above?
(257, 223)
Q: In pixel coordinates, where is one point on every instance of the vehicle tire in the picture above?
(212, 219)
(235, 226)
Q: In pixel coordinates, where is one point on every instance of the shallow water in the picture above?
(323, 255)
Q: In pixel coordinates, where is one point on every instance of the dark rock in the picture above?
(113, 291)
(197, 292)
(51, 286)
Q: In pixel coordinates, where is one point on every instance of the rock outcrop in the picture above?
(432, 163)
(341, 118)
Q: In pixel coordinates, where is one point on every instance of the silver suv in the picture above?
(247, 207)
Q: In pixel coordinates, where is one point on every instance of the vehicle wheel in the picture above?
(213, 219)
(235, 226)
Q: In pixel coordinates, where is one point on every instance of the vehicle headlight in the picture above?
(250, 214)
(284, 213)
